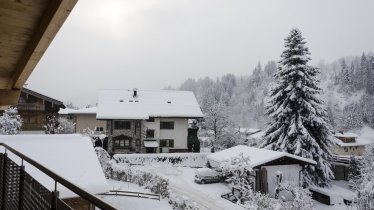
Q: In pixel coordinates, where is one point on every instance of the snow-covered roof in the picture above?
(90, 110)
(120, 104)
(257, 156)
(346, 135)
(71, 156)
(358, 142)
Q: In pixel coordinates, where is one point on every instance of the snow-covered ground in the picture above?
(123, 202)
(206, 196)
(340, 190)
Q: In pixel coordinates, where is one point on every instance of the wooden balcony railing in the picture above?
(19, 190)
(31, 107)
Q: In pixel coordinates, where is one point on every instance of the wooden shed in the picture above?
(266, 164)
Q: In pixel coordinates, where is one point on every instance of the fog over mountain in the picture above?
(347, 83)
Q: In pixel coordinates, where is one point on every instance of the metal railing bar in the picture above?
(79, 191)
(133, 192)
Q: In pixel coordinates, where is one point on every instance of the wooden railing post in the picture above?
(21, 186)
(3, 188)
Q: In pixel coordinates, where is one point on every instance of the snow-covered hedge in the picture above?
(175, 159)
(154, 183)
(181, 202)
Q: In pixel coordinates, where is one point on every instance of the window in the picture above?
(122, 143)
(167, 143)
(151, 119)
(121, 125)
(99, 128)
(167, 125)
(150, 133)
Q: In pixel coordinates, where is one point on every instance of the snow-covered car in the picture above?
(207, 175)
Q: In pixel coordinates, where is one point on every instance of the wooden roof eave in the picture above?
(51, 21)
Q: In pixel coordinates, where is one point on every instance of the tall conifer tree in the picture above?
(297, 114)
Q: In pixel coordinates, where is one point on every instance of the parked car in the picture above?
(207, 175)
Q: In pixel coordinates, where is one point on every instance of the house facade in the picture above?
(141, 121)
(84, 119)
(34, 108)
(347, 145)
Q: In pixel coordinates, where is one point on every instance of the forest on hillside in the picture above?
(347, 84)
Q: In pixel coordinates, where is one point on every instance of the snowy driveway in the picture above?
(207, 196)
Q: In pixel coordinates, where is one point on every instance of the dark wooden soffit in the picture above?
(27, 27)
(44, 97)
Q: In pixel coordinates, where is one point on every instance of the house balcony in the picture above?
(31, 107)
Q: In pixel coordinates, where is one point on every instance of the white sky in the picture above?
(151, 44)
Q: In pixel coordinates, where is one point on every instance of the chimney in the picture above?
(135, 93)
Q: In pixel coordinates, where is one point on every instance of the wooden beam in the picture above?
(52, 20)
(9, 97)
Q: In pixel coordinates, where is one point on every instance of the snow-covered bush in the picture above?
(259, 201)
(10, 122)
(66, 125)
(181, 202)
(58, 125)
(302, 198)
(365, 183)
(104, 159)
(52, 126)
(238, 170)
(148, 180)
(354, 173)
(175, 159)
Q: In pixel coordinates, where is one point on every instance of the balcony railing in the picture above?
(19, 190)
(31, 107)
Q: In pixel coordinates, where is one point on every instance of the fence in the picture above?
(133, 194)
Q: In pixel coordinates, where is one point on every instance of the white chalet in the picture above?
(145, 121)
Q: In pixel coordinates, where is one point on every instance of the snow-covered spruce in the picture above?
(298, 117)
(10, 122)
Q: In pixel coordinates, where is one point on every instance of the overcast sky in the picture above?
(151, 44)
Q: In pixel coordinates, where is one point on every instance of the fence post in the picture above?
(21, 186)
(3, 200)
(55, 195)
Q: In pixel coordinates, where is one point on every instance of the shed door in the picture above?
(263, 180)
